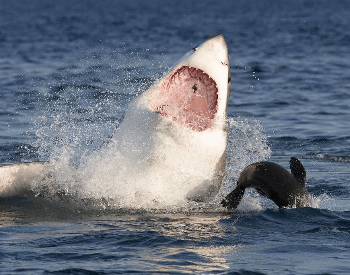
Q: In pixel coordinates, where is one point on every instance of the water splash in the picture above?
(120, 175)
(247, 144)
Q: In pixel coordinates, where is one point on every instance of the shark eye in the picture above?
(229, 79)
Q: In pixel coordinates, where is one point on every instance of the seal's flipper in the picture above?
(232, 200)
(298, 170)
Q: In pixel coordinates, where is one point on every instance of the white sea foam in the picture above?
(123, 173)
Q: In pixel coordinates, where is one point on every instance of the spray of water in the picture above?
(120, 173)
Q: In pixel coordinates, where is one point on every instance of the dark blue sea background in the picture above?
(68, 70)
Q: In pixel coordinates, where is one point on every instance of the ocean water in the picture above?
(68, 70)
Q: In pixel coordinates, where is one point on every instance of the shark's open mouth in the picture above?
(189, 96)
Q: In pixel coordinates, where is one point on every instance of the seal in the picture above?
(286, 189)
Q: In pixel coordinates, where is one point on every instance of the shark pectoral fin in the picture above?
(204, 192)
(232, 200)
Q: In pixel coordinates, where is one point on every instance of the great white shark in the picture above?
(176, 127)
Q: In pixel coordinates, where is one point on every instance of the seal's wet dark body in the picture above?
(286, 189)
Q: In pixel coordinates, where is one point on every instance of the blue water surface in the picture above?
(68, 69)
